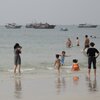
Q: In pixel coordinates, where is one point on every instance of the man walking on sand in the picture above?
(92, 53)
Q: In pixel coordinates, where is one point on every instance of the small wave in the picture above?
(5, 47)
(69, 71)
(50, 68)
(69, 66)
(22, 70)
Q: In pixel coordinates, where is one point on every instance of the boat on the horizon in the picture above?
(13, 26)
(64, 29)
(40, 26)
(87, 26)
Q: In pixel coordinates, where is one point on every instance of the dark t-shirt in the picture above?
(92, 51)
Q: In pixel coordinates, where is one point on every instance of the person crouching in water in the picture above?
(57, 63)
(75, 67)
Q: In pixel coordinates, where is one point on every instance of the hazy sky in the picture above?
(51, 11)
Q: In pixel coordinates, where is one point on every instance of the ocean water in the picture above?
(39, 46)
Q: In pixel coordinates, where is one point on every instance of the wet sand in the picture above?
(49, 87)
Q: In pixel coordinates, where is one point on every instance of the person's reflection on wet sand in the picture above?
(60, 84)
(18, 87)
(75, 80)
(92, 85)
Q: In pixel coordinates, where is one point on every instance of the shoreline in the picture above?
(48, 86)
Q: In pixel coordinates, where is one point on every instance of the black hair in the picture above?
(63, 52)
(57, 55)
(75, 60)
(92, 44)
(86, 36)
(77, 38)
(17, 46)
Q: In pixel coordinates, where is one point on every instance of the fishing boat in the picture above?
(87, 26)
(40, 26)
(13, 26)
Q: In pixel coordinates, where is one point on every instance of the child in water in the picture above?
(75, 66)
(63, 55)
(57, 63)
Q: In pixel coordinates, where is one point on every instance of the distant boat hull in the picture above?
(16, 27)
(40, 26)
(49, 27)
(29, 26)
(13, 26)
(87, 26)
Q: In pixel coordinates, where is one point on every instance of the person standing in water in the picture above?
(77, 41)
(86, 42)
(17, 58)
(63, 55)
(57, 63)
(91, 52)
(69, 43)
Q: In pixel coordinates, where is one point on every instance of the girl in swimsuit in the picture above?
(75, 66)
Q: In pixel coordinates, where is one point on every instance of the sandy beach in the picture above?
(48, 86)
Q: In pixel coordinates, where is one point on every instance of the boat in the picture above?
(87, 26)
(13, 26)
(40, 26)
(29, 26)
(64, 29)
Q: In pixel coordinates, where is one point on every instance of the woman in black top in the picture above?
(17, 58)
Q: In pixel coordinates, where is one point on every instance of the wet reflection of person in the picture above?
(60, 85)
(92, 85)
(18, 88)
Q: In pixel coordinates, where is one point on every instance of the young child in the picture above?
(57, 63)
(75, 66)
(63, 55)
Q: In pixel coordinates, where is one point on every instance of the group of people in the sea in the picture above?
(92, 54)
(89, 49)
(69, 42)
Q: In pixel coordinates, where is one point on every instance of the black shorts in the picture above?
(90, 61)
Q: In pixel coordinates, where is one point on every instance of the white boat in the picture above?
(13, 26)
(64, 29)
(87, 26)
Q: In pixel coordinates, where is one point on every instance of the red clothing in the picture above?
(75, 67)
